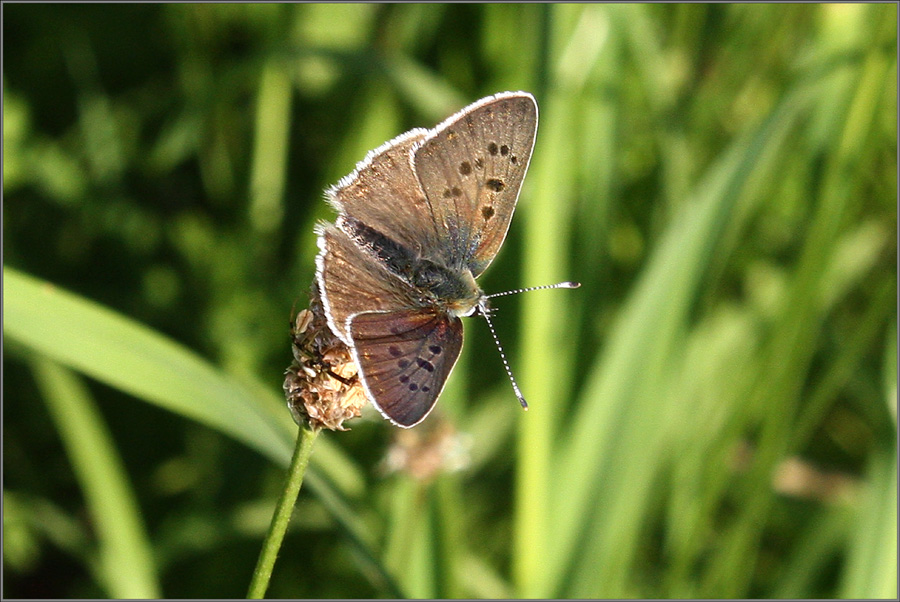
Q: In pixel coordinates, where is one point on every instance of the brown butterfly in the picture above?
(420, 218)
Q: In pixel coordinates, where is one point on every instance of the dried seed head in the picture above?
(321, 385)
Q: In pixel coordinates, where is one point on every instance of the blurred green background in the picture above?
(713, 414)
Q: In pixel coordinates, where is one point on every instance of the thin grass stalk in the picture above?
(283, 511)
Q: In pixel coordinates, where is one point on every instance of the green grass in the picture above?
(713, 414)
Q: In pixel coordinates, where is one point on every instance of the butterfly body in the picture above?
(452, 289)
(419, 220)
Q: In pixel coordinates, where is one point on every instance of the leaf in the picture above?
(92, 339)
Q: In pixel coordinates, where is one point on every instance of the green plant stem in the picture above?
(283, 512)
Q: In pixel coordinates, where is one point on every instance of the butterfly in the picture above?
(419, 220)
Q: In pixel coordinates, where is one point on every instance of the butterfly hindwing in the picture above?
(351, 281)
(404, 359)
(471, 168)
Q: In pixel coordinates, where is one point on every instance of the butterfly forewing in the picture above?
(404, 359)
(352, 281)
(384, 193)
(471, 168)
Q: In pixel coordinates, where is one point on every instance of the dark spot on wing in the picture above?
(435, 349)
(426, 388)
(404, 378)
(455, 191)
(413, 387)
(492, 148)
(425, 364)
(394, 350)
(487, 212)
(402, 364)
(495, 184)
(465, 168)
(504, 150)
(514, 160)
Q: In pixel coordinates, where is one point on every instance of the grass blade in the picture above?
(89, 338)
(126, 564)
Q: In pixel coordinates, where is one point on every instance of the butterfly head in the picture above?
(467, 298)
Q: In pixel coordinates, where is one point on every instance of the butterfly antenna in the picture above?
(484, 311)
(509, 373)
(536, 288)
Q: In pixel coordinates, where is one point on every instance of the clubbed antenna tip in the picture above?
(536, 288)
